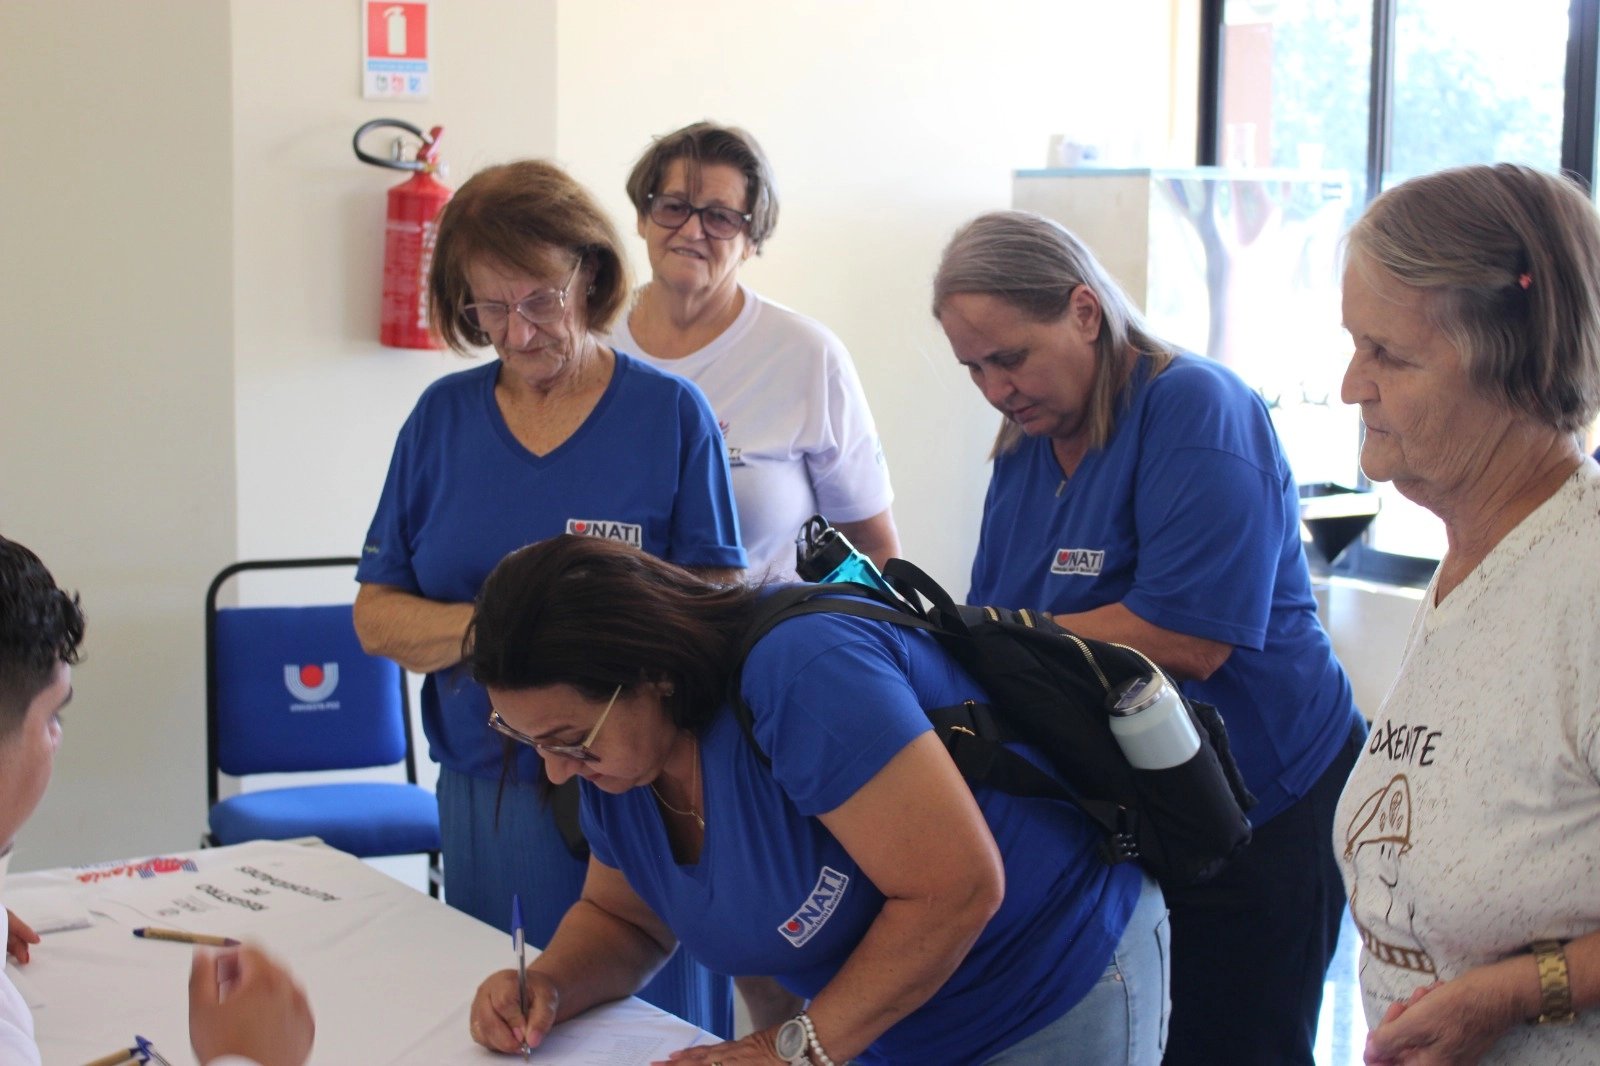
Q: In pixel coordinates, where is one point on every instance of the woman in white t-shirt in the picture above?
(1469, 830)
(799, 435)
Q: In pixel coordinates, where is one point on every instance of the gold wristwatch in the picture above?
(1555, 991)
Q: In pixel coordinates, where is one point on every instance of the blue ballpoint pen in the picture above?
(519, 945)
(150, 1054)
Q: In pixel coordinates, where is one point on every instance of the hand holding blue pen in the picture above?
(520, 946)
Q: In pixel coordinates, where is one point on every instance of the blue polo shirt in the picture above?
(646, 467)
(1190, 518)
(834, 699)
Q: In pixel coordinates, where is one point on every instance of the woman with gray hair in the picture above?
(1139, 494)
(1470, 828)
(799, 435)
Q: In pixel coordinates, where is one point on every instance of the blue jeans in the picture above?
(1253, 943)
(1123, 1019)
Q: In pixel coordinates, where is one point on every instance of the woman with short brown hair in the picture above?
(558, 434)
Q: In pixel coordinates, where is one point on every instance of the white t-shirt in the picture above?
(800, 438)
(16, 1026)
(1470, 826)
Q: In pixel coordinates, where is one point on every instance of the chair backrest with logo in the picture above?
(296, 692)
(290, 689)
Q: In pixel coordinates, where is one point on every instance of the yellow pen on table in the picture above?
(186, 938)
(142, 1052)
(117, 1058)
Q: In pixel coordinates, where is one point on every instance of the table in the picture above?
(390, 972)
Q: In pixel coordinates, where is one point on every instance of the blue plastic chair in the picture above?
(290, 690)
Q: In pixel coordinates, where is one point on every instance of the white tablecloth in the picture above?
(389, 971)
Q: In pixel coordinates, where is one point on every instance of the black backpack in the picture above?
(1049, 686)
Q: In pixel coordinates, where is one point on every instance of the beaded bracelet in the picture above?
(815, 1044)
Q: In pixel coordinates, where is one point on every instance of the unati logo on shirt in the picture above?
(311, 685)
(626, 532)
(818, 907)
(735, 455)
(1078, 561)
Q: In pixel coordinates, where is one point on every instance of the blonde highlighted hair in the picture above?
(1508, 260)
(1035, 265)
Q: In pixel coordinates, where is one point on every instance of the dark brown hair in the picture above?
(515, 215)
(40, 628)
(595, 614)
(702, 144)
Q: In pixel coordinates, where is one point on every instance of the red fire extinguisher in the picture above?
(414, 206)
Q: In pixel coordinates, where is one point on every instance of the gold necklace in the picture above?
(690, 813)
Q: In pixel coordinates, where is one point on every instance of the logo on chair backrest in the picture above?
(311, 685)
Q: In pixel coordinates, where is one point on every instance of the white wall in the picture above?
(116, 387)
(191, 374)
(193, 253)
(318, 401)
(888, 123)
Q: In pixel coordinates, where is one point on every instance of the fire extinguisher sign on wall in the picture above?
(395, 64)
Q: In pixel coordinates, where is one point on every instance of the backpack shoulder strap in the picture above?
(795, 601)
(976, 737)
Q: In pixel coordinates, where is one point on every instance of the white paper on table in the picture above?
(626, 1033)
(48, 910)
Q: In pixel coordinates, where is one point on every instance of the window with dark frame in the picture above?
(1385, 90)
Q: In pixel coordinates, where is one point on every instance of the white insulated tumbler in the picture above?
(1150, 723)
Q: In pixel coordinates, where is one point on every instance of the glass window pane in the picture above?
(1294, 98)
(1477, 82)
(1295, 86)
(1404, 528)
(1474, 82)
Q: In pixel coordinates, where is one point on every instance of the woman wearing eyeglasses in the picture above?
(799, 435)
(921, 921)
(558, 434)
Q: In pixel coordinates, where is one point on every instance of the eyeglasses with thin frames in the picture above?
(674, 212)
(538, 309)
(579, 752)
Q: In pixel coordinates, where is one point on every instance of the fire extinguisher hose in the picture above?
(425, 155)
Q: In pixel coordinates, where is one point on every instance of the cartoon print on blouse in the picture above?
(1378, 837)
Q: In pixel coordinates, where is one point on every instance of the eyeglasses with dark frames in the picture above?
(538, 309)
(578, 752)
(720, 223)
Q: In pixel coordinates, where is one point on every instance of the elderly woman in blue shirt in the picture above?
(1139, 495)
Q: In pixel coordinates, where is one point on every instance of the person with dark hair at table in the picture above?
(264, 1018)
(920, 920)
